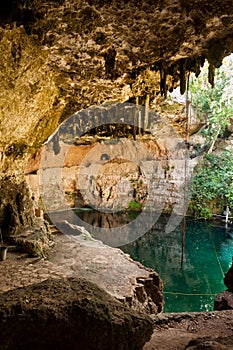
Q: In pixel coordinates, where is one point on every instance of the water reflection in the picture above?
(208, 256)
(106, 220)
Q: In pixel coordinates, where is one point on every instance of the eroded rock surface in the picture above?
(228, 279)
(178, 331)
(82, 256)
(69, 313)
(59, 57)
(128, 281)
(18, 223)
(224, 300)
(211, 344)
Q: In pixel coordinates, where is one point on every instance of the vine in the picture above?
(213, 184)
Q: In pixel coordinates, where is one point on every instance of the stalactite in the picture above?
(211, 74)
(173, 72)
(163, 83)
(182, 76)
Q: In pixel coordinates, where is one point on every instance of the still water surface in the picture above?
(208, 256)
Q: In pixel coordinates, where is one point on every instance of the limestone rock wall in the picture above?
(27, 96)
(62, 56)
(149, 169)
(114, 184)
(16, 207)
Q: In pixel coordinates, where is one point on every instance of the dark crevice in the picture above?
(7, 223)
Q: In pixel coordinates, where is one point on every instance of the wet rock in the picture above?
(224, 301)
(69, 313)
(228, 280)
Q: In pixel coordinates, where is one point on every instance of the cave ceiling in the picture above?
(169, 36)
(62, 56)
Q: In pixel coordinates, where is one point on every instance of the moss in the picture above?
(134, 205)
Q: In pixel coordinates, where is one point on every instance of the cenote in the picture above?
(208, 256)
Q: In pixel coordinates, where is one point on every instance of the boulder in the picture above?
(228, 280)
(210, 344)
(224, 301)
(69, 313)
(36, 240)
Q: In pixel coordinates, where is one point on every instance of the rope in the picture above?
(216, 254)
(185, 173)
(188, 294)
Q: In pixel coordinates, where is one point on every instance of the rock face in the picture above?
(17, 220)
(16, 206)
(150, 169)
(59, 57)
(69, 313)
(228, 279)
(62, 56)
(224, 300)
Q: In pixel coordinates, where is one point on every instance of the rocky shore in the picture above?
(35, 290)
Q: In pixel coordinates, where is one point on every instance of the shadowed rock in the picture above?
(69, 313)
(228, 280)
(224, 301)
(210, 344)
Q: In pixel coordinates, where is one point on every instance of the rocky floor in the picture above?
(81, 256)
(172, 331)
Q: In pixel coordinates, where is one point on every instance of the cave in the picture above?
(65, 59)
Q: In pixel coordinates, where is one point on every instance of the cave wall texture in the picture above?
(58, 57)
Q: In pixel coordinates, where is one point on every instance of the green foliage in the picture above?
(213, 181)
(214, 105)
(212, 184)
(134, 205)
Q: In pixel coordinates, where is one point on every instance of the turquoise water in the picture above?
(208, 256)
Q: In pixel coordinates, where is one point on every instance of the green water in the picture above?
(208, 256)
